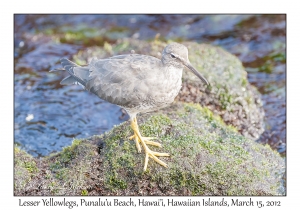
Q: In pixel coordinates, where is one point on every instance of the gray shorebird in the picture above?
(137, 83)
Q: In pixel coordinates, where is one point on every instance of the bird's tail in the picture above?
(69, 67)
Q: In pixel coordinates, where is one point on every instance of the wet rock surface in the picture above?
(219, 161)
(47, 115)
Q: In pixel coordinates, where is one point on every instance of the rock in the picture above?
(207, 158)
(230, 94)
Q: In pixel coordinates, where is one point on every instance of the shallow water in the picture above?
(48, 116)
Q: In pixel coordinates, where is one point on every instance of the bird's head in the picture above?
(176, 55)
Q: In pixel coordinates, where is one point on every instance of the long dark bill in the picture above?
(187, 64)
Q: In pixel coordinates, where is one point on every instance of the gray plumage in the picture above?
(138, 83)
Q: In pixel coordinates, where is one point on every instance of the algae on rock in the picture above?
(206, 158)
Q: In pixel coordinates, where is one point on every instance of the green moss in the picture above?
(225, 157)
(118, 154)
(53, 187)
(206, 158)
(71, 152)
(86, 36)
(118, 29)
(17, 149)
(84, 192)
(107, 47)
(81, 35)
(229, 93)
(31, 167)
(186, 179)
(155, 126)
(123, 46)
(56, 165)
(62, 174)
(116, 183)
(25, 161)
(244, 82)
(206, 113)
(279, 57)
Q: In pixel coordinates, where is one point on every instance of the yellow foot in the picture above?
(146, 140)
(153, 155)
(138, 138)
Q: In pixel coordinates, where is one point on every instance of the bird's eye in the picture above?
(173, 56)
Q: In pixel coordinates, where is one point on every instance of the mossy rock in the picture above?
(207, 157)
(230, 95)
(25, 168)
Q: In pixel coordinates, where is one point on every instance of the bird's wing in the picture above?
(124, 80)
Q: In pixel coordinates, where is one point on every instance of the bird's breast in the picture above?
(171, 83)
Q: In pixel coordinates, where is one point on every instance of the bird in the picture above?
(135, 82)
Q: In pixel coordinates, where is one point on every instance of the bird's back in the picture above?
(126, 80)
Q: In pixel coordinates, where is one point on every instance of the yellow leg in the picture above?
(144, 141)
